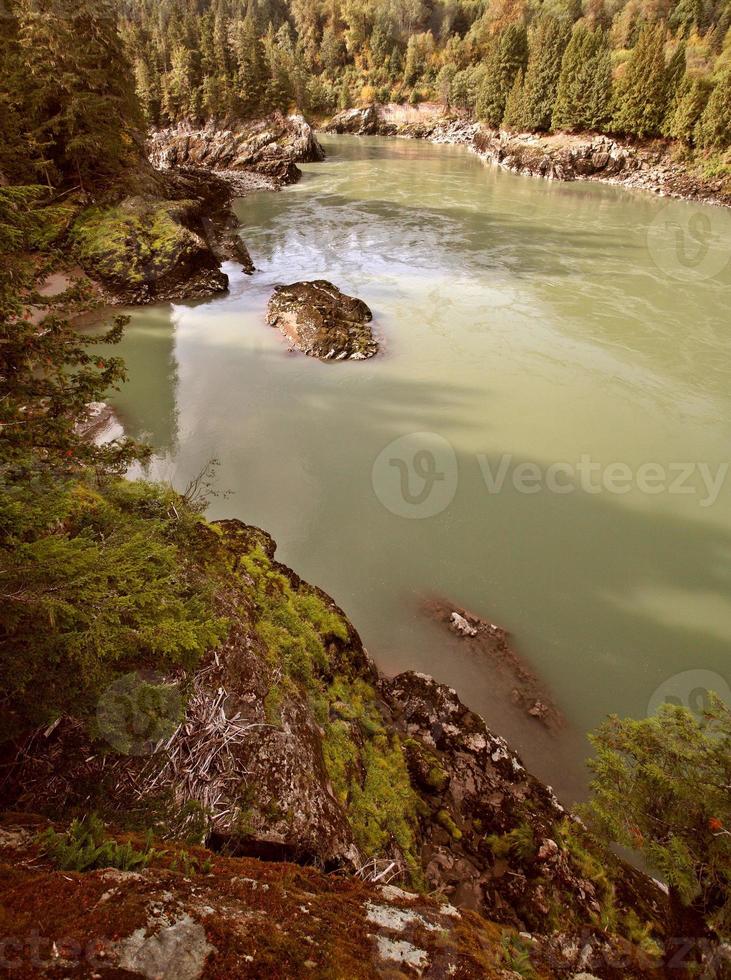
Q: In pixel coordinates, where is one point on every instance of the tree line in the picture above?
(634, 68)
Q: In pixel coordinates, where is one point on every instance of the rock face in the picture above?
(166, 245)
(244, 919)
(321, 321)
(268, 149)
(293, 748)
(357, 122)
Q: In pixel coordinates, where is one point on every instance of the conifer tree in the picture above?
(514, 117)
(688, 107)
(645, 795)
(547, 45)
(641, 96)
(16, 149)
(82, 100)
(713, 131)
(674, 78)
(148, 91)
(507, 56)
(584, 94)
(251, 71)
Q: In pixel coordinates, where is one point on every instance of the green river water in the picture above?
(564, 326)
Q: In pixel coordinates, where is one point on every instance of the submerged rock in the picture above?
(294, 748)
(321, 321)
(527, 691)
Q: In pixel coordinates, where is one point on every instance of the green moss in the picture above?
(341, 758)
(520, 842)
(293, 625)
(134, 241)
(437, 779)
(445, 820)
(383, 808)
(367, 769)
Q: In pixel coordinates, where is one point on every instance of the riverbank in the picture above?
(161, 232)
(292, 747)
(652, 166)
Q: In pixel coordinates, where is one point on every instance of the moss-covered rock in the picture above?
(292, 747)
(165, 241)
(144, 249)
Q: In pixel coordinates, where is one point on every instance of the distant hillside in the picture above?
(630, 67)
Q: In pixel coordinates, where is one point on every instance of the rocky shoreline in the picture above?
(567, 157)
(324, 762)
(164, 237)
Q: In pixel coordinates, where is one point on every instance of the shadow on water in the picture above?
(534, 563)
(606, 596)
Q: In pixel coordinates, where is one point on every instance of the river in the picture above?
(544, 438)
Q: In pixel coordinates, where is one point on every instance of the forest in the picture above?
(637, 68)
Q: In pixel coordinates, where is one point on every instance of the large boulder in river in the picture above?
(321, 321)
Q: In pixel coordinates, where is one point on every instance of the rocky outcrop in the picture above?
(164, 245)
(559, 157)
(265, 152)
(651, 166)
(319, 320)
(241, 918)
(293, 748)
(494, 646)
(367, 121)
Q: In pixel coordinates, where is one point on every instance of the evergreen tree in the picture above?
(713, 131)
(514, 117)
(674, 77)
(251, 70)
(148, 91)
(344, 99)
(661, 786)
(675, 71)
(692, 98)
(279, 90)
(507, 56)
(641, 96)
(16, 150)
(82, 102)
(584, 92)
(547, 45)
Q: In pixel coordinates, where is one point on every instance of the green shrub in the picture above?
(86, 846)
(98, 581)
